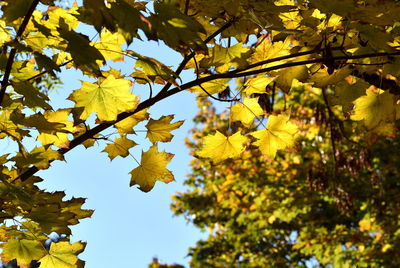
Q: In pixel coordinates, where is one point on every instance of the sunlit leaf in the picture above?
(120, 147)
(219, 147)
(247, 111)
(276, 136)
(62, 255)
(23, 250)
(159, 130)
(107, 99)
(152, 168)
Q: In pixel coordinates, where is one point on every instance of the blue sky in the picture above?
(128, 227)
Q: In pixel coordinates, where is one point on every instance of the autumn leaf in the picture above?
(257, 84)
(377, 109)
(109, 45)
(62, 255)
(59, 138)
(120, 147)
(152, 168)
(277, 135)
(218, 147)
(23, 250)
(159, 130)
(247, 111)
(126, 126)
(107, 99)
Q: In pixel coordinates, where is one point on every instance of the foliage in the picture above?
(332, 201)
(265, 50)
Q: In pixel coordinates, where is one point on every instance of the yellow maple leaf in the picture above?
(159, 130)
(126, 126)
(59, 139)
(269, 50)
(247, 111)
(110, 45)
(212, 87)
(107, 99)
(23, 250)
(152, 168)
(257, 84)
(278, 135)
(377, 109)
(218, 147)
(120, 147)
(62, 255)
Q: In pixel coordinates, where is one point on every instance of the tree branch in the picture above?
(187, 58)
(165, 94)
(11, 56)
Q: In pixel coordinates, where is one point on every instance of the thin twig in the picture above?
(188, 57)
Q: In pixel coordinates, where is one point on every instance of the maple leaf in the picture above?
(212, 87)
(126, 126)
(23, 250)
(110, 45)
(120, 147)
(159, 130)
(152, 168)
(257, 84)
(62, 255)
(107, 99)
(247, 111)
(60, 138)
(277, 135)
(377, 108)
(218, 147)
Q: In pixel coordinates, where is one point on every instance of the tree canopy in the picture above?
(314, 83)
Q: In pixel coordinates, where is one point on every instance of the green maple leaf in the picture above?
(39, 157)
(159, 130)
(346, 94)
(176, 29)
(152, 168)
(62, 255)
(107, 99)
(23, 250)
(15, 9)
(33, 98)
(120, 147)
(83, 54)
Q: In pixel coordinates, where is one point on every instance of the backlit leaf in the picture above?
(219, 147)
(62, 255)
(278, 135)
(107, 99)
(377, 108)
(257, 84)
(126, 126)
(120, 147)
(247, 111)
(23, 250)
(159, 130)
(152, 168)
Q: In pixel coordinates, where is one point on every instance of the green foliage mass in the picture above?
(332, 200)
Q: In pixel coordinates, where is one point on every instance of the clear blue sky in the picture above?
(128, 227)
